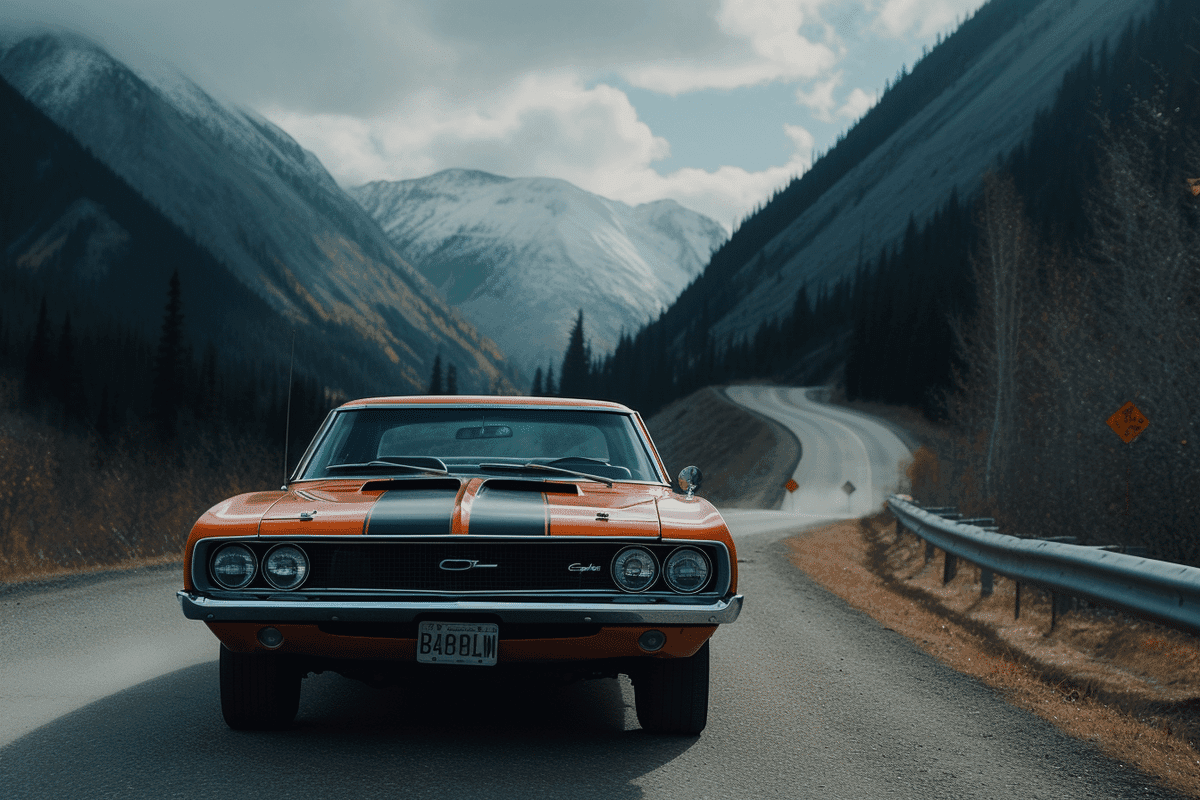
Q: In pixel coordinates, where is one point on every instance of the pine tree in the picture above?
(451, 380)
(538, 388)
(551, 388)
(574, 380)
(37, 361)
(68, 384)
(435, 380)
(168, 363)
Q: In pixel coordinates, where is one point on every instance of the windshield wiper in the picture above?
(543, 468)
(424, 464)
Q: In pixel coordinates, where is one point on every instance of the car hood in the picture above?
(472, 507)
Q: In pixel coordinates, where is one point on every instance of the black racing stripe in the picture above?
(412, 512)
(507, 512)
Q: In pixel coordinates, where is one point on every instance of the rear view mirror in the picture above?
(485, 432)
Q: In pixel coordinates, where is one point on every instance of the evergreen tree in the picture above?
(574, 380)
(168, 362)
(538, 388)
(435, 381)
(451, 379)
(37, 361)
(68, 384)
(551, 387)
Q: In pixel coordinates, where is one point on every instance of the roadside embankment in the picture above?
(746, 459)
(1131, 687)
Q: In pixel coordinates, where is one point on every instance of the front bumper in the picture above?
(207, 609)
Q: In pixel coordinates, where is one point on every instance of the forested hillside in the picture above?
(120, 420)
(1020, 318)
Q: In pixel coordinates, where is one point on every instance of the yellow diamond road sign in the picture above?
(1128, 422)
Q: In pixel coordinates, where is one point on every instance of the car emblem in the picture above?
(462, 564)
(577, 567)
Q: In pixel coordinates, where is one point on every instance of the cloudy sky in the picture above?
(714, 103)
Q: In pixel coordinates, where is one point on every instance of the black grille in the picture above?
(415, 566)
(364, 565)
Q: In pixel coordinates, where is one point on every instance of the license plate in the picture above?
(458, 643)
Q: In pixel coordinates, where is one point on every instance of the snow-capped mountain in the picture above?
(520, 256)
(260, 203)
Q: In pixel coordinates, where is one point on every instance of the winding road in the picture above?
(106, 691)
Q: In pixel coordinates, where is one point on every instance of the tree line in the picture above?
(1019, 317)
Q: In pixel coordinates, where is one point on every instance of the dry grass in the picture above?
(1130, 687)
(72, 503)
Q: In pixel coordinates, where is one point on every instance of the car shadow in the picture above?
(453, 735)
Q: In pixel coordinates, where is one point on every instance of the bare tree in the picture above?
(1002, 267)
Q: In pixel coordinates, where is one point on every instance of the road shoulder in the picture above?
(1068, 678)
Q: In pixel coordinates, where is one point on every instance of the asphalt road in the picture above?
(106, 691)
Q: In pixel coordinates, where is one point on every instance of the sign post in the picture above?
(1128, 423)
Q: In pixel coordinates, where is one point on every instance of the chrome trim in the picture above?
(624, 410)
(314, 611)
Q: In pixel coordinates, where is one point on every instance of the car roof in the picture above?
(486, 401)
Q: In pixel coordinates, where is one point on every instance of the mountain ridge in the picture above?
(261, 204)
(489, 242)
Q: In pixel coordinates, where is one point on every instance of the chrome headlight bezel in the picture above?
(627, 552)
(685, 552)
(304, 566)
(231, 549)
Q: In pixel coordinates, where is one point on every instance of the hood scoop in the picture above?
(526, 485)
(410, 484)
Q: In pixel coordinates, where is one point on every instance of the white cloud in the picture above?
(921, 18)
(542, 125)
(820, 98)
(857, 104)
(767, 46)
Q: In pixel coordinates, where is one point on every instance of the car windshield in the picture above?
(485, 441)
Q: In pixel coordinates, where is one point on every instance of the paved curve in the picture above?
(106, 691)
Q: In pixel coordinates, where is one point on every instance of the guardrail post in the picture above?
(985, 582)
(928, 551)
(949, 568)
(1059, 604)
(1017, 603)
(899, 531)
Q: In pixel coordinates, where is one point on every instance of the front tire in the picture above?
(259, 691)
(671, 694)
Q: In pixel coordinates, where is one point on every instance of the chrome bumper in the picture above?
(208, 609)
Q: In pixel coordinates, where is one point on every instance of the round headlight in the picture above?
(233, 566)
(286, 566)
(634, 569)
(686, 570)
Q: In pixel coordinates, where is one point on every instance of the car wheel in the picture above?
(671, 694)
(259, 691)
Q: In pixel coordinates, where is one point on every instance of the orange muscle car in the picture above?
(444, 533)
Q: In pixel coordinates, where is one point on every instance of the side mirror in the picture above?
(689, 480)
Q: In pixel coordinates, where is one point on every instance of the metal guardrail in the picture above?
(1156, 590)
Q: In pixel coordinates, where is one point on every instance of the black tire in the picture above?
(259, 691)
(671, 694)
